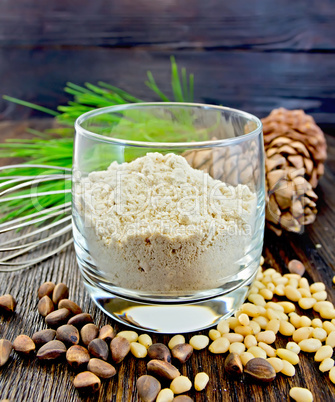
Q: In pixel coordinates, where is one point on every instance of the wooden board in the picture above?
(256, 82)
(252, 55)
(25, 379)
(258, 25)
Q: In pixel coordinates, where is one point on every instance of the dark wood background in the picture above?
(255, 55)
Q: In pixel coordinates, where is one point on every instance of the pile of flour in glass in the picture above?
(159, 226)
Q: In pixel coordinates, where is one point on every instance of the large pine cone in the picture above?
(295, 149)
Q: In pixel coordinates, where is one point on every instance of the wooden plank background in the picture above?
(252, 55)
(24, 379)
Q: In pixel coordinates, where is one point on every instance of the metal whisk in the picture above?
(27, 233)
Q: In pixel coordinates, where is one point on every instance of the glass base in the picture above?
(172, 318)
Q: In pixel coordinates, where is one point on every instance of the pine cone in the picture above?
(297, 126)
(295, 149)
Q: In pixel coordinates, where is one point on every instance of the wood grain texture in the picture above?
(29, 380)
(282, 25)
(256, 82)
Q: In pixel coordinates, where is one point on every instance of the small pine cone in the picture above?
(296, 127)
(295, 150)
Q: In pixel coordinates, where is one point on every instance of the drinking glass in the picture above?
(168, 211)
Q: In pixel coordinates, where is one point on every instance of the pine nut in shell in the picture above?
(57, 317)
(46, 289)
(70, 305)
(201, 381)
(77, 356)
(87, 382)
(101, 368)
(44, 336)
(5, 350)
(180, 385)
(79, 320)
(163, 369)
(23, 344)
(260, 369)
(148, 388)
(119, 348)
(61, 291)
(176, 340)
(45, 306)
(68, 334)
(89, 332)
(301, 394)
(107, 333)
(51, 350)
(159, 351)
(296, 267)
(98, 348)
(182, 352)
(7, 303)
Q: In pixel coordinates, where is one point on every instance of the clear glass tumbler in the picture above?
(168, 211)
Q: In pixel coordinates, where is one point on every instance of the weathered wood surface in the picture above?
(256, 82)
(259, 25)
(254, 55)
(28, 380)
